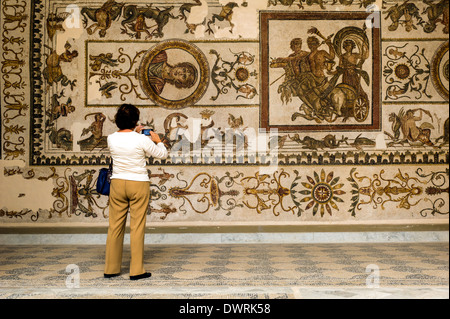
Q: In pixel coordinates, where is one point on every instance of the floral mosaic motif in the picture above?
(321, 193)
(406, 73)
(266, 192)
(403, 189)
(84, 197)
(14, 105)
(203, 193)
(438, 180)
(113, 73)
(226, 75)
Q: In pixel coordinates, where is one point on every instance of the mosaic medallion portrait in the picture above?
(174, 74)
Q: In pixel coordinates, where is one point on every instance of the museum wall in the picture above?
(290, 112)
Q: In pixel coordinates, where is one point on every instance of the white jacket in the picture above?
(129, 151)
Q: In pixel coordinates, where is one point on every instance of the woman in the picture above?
(130, 190)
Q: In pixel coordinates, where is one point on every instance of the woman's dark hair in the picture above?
(127, 116)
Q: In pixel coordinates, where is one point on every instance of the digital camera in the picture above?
(147, 131)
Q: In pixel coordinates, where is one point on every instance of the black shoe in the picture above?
(141, 276)
(110, 275)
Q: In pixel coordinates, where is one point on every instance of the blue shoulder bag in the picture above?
(104, 180)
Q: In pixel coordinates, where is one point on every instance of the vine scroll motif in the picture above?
(406, 74)
(101, 66)
(438, 179)
(205, 189)
(268, 192)
(12, 64)
(399, 189)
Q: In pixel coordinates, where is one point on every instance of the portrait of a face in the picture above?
(174, 74)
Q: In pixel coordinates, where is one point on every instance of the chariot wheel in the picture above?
(361, 109)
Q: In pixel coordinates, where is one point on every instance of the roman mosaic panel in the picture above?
(291, 112)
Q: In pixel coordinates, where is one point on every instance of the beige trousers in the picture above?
(126, 196)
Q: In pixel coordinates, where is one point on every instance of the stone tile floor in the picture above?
(229, 271)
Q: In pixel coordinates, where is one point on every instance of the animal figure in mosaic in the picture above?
(172, 123)
(434, 11)
(405, 123)
(96, 140)
(235, 122)
(329, 141)
(311, 2)
(248, 91)
(187, 7)
(62, 137)
(282, 2)
(102, 17)
(163, 177)
(226, 14)
(53, 72)
(102, 58)
(58, 109)
(365, 3)
(359, 142)
(444, 137)
(405, 10)
(164, 209)
(343, 2)
(236, 136)
(55, 23)
(134, 18)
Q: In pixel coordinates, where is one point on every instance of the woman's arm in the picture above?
(155, 147)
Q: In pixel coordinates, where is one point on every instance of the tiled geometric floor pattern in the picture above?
(229, 271)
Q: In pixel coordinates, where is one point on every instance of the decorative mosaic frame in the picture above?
(359, 151)
(304, 20)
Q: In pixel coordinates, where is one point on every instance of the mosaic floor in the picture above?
(393, 270)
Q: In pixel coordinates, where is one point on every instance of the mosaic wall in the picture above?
(289, 111)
